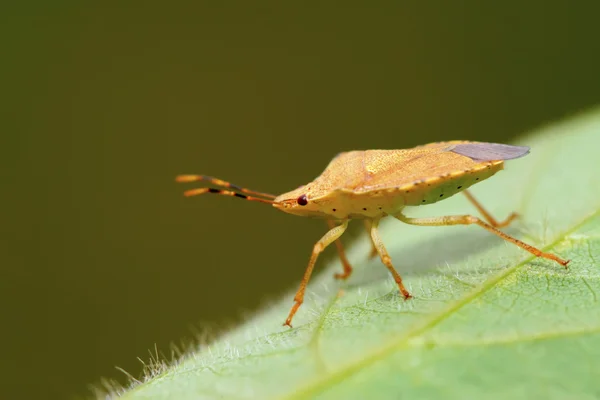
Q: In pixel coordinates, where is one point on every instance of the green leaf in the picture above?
(488, 320)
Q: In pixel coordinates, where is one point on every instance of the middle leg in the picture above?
(342, 254)
(386, 259)
(340, 249)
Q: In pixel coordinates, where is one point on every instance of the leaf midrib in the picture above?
(375, 355)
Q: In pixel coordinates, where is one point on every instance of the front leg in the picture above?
(325, 241)
(373, 251)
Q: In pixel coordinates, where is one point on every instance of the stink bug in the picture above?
(373, 184)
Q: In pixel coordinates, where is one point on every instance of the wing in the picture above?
(490, 151)
(397, 168)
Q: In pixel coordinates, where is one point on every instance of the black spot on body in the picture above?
(442, 195)
(334, 210)
(364, 209)
(459, 187)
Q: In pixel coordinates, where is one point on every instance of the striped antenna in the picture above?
(199, 191)
(219, 182)
(250, 194)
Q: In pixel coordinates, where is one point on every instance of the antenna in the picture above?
(222, 183)
(223, 192)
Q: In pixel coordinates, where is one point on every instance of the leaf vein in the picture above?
(523, 339)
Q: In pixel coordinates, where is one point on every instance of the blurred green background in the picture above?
(103, 104)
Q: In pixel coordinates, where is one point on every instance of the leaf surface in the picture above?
(488, 319)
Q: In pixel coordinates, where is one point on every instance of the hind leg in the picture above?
(487, 216)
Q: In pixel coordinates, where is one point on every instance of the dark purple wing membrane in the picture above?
(490, 151)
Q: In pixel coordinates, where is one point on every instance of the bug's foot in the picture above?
(342, 275)
(553, 257)
(507, 221)
(288, 321)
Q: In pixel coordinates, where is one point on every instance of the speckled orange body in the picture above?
(375, 183)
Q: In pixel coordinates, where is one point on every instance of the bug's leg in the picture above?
(468, 220)
(487, 216)
(325, 241)
(340, 249)
(386, 259)
(373, 252)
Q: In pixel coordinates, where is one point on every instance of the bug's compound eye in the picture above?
(302, 200)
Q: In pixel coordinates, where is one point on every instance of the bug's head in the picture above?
(298, 202)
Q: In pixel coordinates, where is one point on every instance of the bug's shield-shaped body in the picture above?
(374, 183)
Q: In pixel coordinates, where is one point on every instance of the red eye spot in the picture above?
(302, 200)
